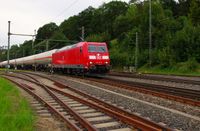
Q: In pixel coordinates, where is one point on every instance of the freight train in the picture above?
(83, 57)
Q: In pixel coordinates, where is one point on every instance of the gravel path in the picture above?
(165, 83)
(151, 107)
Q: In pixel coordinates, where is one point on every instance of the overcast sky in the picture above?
(28, 15)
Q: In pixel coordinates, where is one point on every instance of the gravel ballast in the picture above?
(195, 78)
(164, 83)
(132, 101)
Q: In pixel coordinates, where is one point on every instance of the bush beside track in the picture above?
(15, 113)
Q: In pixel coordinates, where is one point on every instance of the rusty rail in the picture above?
(148, 91)
(160, 78)
(52, 109)
(114, 111)
(83, 122)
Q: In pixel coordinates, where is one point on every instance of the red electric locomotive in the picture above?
(82, 57)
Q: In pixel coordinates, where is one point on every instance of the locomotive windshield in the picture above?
(93, 48)
(101, 49)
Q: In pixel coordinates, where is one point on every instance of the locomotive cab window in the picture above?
(101, 49)
(93, 48)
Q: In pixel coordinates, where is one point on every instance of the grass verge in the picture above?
(182, 69)
(169, 71)
(15, 112)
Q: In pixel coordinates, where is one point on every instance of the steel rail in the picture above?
(148, 91)
(124, 85)
(171, 90)
(116, 112)
(185, 93)
(83, 122)
(158, 78)
(51, 108)
(79, 118)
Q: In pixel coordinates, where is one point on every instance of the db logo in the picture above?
(98, 57)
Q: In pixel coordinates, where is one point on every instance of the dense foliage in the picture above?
(175, 32)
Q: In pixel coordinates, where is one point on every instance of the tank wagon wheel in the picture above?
(51, 70)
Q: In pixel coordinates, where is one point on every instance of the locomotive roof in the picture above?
(67, 47)
(78, 44)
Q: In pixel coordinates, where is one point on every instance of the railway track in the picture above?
(81, 111)
(157, 78)
(54, 103)
(186, 96)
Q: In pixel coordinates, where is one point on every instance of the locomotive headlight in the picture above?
(91, 62)
(106, 62)
(105, 57)
(92, 57)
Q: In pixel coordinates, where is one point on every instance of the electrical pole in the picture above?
(150, 36)
(8, 51)
(136, 51)
(83, 33)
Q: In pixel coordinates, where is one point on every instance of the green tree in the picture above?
(102, 37)
(71, 28)
(183, 7)
(58, 40)
(175, 31)
(186, 43)
(14, 51)
(110, 12)
(195, 12)
(45, 32)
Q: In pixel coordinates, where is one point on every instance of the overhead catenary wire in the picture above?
(66, 9)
